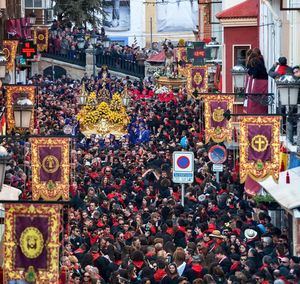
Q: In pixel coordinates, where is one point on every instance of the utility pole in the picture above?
(151, 32)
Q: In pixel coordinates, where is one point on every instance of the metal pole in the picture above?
(217, 177)
(53, 70)
(298, 131)
(151, 33)
(182, 194)
(94, 62)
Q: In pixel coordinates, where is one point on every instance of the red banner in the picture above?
(259, 147)
(10, 50)
(31, 242)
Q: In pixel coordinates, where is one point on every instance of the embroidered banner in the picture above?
(259, 147)
(50, 168)
(10, 50)
(197, 79)
(183, 63)
(31, 242)
(13, 93)
(217, 127)
(41, 39)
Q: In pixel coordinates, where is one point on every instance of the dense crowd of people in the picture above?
(126, 223)
(72, 42)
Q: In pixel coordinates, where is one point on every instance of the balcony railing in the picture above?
(118, 64)
(76, 58)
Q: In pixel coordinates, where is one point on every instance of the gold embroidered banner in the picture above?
(10, 50)
(31, 242)
(50, 164)
(13, 93)
(197, 79)
(41, 38)
(217, 127)
(259, 147)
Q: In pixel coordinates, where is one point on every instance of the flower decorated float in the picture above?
(102, 117)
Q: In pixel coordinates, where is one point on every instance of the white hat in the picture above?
(250, 234)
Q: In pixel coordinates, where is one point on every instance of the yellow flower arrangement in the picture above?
(92, 114)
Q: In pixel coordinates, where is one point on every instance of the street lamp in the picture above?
(82, 100)
(23, 109)
(239, 73)
(3, 62)
(125, 97)
(93, 43)
(32, 18)
(106, 42)
(214, 48)
(288, 89)
(4, 157)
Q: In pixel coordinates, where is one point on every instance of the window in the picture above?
(33, 3)
(289, 5)
(240, 54)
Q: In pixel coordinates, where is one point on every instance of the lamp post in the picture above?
(125, 97)
(105, 42)
(3, 62)
(288, 92)
(4, 157)
(214, 47)
(94, 42)
(239, 73)
(23, 109)
(32, 18)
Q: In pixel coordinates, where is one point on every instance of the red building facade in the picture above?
(241, 32)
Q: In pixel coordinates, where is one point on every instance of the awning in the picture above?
(9, 193)
(286, 194)
(157, 58)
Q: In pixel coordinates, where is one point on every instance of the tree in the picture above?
(80, 12)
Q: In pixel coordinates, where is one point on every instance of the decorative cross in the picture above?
(28, 50)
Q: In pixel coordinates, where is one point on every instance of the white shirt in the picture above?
(181, 268)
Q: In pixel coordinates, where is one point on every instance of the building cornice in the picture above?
(239, 22)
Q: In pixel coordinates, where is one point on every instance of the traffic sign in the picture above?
(183, 167)
(218, 168)
(217, 154)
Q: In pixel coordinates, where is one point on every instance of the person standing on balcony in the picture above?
(280, 68)
(259, 87)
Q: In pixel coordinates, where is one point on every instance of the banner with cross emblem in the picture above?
(31, 243)
(40, 38)
(197, 79)
(10, 51)
(50, 168)
(217, 128)
(259, 147)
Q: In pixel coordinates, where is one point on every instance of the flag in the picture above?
(31, 242)
(41, 39)
(50, 168)
(197, 79)
(183, 63)
(259, 147)
(283, 158)
(13, 93)
(10, 50)
(251, 186)
(217, 128)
